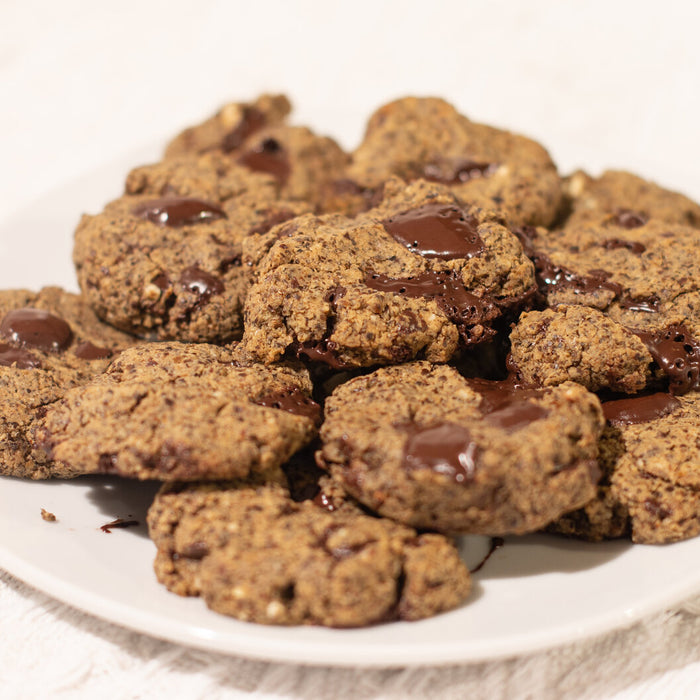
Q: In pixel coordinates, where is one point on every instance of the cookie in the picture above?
(173, 268)
(639, 276)
(484, 166)
(580, 344)
(50, 342)
(230, 127)
(177, 411)
(651, 473)
(254, 553)
(422, 445)
(418, 276)
(256, 137)
(626, 199)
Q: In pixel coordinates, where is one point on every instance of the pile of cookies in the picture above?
(336, 362)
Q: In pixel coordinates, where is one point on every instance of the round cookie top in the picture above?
(173, 267)
(181, 411)
(420, 275)
(625, 199)
(424, 446)
(230, 127)
(254, 553)
(484, 166)
(50, 341)
(650, 459)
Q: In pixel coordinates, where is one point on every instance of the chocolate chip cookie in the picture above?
(418, 276)
(484, 166)
(651, 472)
(178, 411)
(50, 342)
(174, 267)
(422, 445)
(254, 553)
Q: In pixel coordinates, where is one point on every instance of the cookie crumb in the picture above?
(48, 516)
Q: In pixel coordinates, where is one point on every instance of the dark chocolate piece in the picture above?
(615, 243)
(87, 351)
(17, 357)
(36, 328)
(252, 120)
(268, 157)
(201, 282)
(118, 523)
(293, 400)
(178, 211)
(445, 448)
(437, 231)
(626, 218)
(639, 409)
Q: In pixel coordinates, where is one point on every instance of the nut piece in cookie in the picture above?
(172, 267)
(50, 342)
(422, 445)
(177, 411)
(485, 167)
(254, 553)
(651, 473)
(419, 276)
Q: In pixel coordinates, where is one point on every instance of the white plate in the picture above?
(533, 593)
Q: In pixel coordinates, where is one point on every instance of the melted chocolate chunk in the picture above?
(88, 351)
(162, 281)
(293, 400)
(35, 328)
(552, 277)
(272, 218)
(457, 170)
(268, 157)
(200, 282)
(178, 211)
(650, 304)
(446, 448)
(17, 357)
(118, 523)
(463, 308)
(639, 409)
(437, 231)
(323, 501)
(252, 120)
(496, 543)
(626, 218)
(517, 415)
(615, 243)
(195, 550)
(324, 351)
(497, 395)
(677, 354)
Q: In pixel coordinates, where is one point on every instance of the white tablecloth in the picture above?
(600, 83)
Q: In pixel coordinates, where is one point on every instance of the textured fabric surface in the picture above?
(51, 650)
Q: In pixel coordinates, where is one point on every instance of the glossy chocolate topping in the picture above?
(178, 211)
(323, 501)
(626, 218)
(639, 409)
(462, 307)
(677, 354)
(517, 415)
(87, 351)
(118, 523)
(445, 448)
(457, 170)
(650, 304)
(17, 357)
(201, 282)
(552, 277)
(293, 400)
(437, 231)
(36, 328)
(324, 351)
(251, 121)
(268, 157)
(615, 243)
